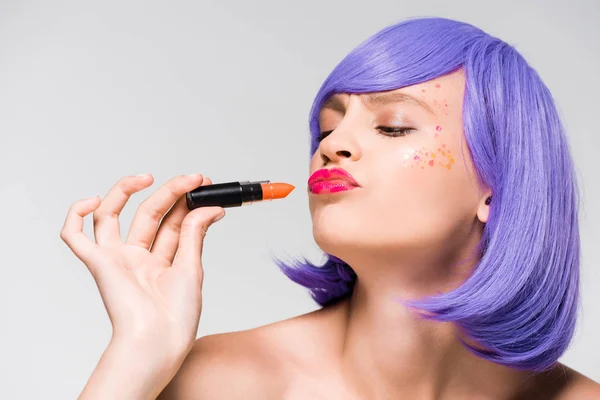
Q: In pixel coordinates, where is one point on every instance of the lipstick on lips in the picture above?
(331, 180)
(235, 194)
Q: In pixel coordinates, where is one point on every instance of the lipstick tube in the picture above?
(236, 194)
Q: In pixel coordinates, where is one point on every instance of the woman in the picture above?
(449, 217)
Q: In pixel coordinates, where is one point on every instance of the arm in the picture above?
(127, 371)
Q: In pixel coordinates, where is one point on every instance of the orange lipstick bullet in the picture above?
(235, 194)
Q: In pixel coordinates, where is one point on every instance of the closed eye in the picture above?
(395, 131)
(323, 135)
(388, 131)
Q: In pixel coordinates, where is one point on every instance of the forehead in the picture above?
(426, 95)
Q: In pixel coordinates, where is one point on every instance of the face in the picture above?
(417, 186)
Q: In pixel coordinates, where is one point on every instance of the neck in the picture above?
(390, 352)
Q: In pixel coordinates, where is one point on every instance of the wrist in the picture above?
(154, 344)
(128, 369)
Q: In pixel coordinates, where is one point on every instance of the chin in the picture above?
(333, 230)
(346, 238)
(337, 234)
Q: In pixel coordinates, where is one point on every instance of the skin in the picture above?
(409, 230)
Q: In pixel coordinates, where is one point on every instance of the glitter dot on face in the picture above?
(417, 157)
(437, 85)
(423, 90)
(443, 145)
(449, 166)
(438, 128)
(431, 162)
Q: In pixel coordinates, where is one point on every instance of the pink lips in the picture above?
(331, 180)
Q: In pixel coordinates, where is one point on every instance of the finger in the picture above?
(148, 215)
(191, 238)
(106, 217)
(72, 230)
(167, 239)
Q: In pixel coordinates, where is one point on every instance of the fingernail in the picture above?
(193, 175)
(142, 175)
(220, 217)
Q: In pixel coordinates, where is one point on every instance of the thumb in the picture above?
(193, 231)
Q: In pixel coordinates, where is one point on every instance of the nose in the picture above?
(339, 144)
(340, 154)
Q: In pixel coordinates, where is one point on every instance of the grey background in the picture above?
(93, 91)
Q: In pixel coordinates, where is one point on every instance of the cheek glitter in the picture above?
(422, 158)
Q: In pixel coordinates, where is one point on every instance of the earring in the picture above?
(488, 200)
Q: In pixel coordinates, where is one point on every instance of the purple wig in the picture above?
(520, 303)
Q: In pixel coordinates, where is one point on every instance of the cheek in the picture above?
(420, 190)
(437, 156)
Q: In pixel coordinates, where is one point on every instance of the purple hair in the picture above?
(521, 301)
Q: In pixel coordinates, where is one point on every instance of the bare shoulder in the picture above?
(251, 364)
(579, 386)
(564, 383)
(224, 366)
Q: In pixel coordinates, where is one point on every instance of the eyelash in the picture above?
(388, 129)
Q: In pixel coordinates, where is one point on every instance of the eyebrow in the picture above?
(379, 99)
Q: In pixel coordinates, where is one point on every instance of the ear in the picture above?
(483, 210)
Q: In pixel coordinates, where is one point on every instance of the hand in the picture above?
(151, 284)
